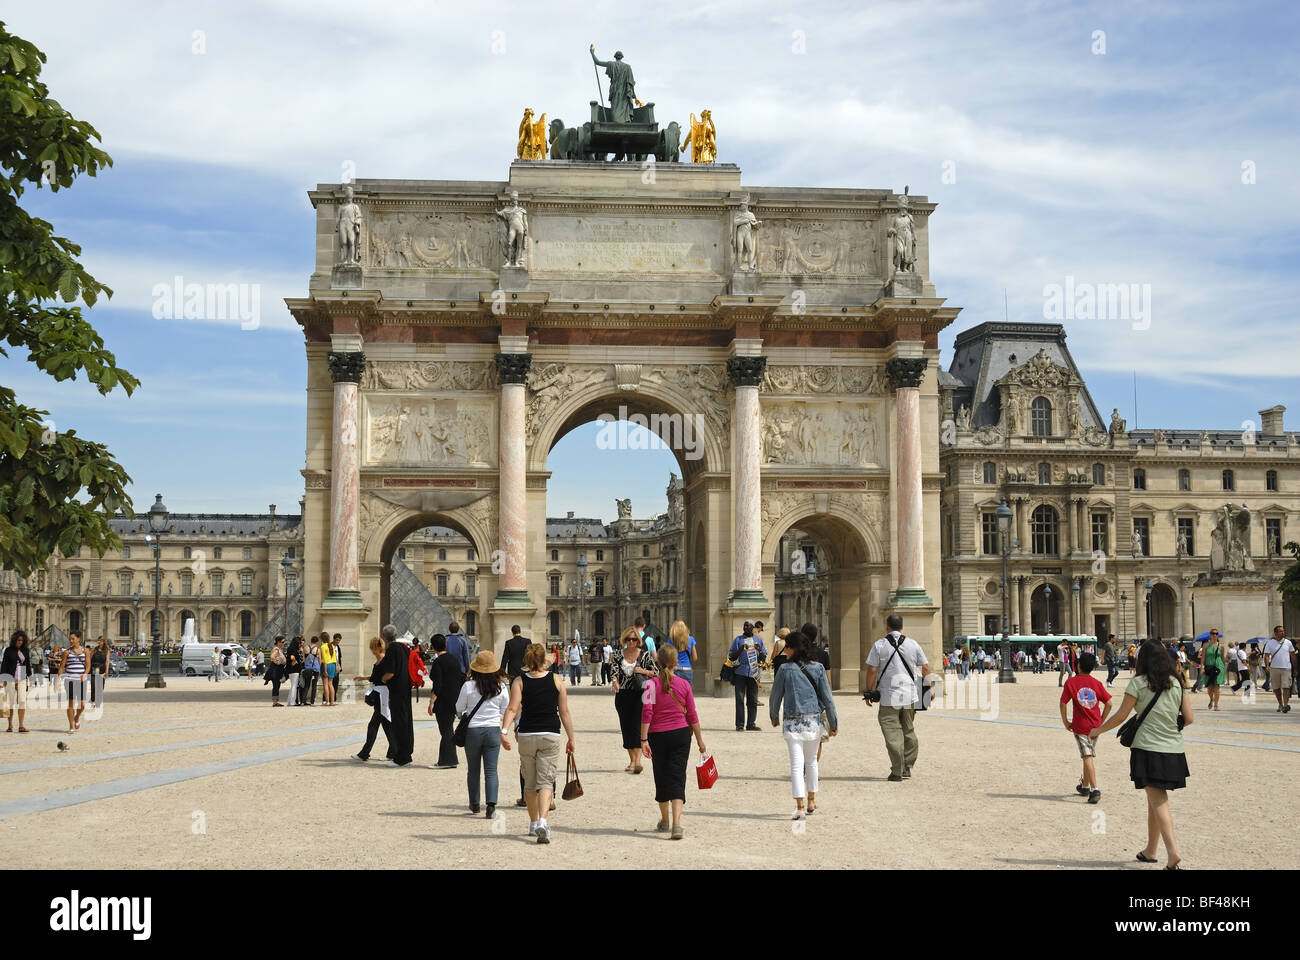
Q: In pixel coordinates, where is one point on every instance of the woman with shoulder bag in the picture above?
(668, 719)
(803, 687)
(630, 673)
(541, 702)
(1157, 758)
(275, 673)
(481, 705)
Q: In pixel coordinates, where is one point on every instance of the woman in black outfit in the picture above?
(293, 670)
(377, 718)
(630, 673)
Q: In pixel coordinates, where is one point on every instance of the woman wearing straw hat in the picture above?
(484, 698)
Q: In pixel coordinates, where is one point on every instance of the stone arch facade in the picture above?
(438, 383)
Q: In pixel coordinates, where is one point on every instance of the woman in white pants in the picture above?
(802, 686)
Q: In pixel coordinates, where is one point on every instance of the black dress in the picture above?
(627, 702)
(401, 732)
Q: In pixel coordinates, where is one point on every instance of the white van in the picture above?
(196, 657)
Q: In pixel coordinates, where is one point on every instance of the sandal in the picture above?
(1144, 858)
(1175, 866)
(637, 769)
(23, 730)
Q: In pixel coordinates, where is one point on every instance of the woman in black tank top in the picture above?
(540, 702)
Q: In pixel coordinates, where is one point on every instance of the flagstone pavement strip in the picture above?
(1186, 737)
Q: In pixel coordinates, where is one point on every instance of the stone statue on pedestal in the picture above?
(513, 231)
(624, 508)
(903, 232)
(1230, 553)
(348, 227)
(744, 242)
(1118, 425)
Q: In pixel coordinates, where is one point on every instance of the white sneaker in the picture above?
(532, 828)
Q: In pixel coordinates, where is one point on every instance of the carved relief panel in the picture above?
(821, 248)
(824, 434)
(427, 430)
(437, 241)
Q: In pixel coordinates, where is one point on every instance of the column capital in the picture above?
(905, 371)
(746, 371)
(513, 367)
(346, 366)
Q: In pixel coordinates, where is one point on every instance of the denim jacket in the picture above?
(802, 697)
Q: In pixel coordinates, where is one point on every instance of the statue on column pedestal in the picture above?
(744, 240)
(348, 227)
(513, 231)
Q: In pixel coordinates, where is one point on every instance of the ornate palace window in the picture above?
(1040, 417)
(1045, 532)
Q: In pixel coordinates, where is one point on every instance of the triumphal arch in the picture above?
(782, 339)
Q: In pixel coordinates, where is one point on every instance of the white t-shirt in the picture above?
(606, 652)
(1279, 653)
(575, 655)
(1241, 656)
(897, 689)
(1042, 654)
(493, 709)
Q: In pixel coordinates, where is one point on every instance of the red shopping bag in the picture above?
(706, 773)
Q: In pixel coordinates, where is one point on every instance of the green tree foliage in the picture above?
(57, 490)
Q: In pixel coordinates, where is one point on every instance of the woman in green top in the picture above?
(1157, 763)
(1212, 655)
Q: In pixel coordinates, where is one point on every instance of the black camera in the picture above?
(871, 696)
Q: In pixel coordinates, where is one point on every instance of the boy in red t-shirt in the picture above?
(1087, 695)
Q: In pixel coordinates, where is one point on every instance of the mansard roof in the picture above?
(984, 355)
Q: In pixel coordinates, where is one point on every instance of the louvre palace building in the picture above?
(1111, 529)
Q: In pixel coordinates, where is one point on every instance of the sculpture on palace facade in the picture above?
(703, 138)
(1072, 415)
(963, 417)
(624, 508)
(348, 227)
(1230, 550)
(1137, 543)
(903, 232)
(744, 239)
(622, 85)
(513, 231)
(532, 137)
(1118, 424)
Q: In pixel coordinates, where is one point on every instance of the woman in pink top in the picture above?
(668, 719)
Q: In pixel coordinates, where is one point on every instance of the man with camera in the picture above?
(892, 668)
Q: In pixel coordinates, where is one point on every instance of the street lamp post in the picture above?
(136, 639)
(582, 595)
(157, 524)
(1047, 599)
(1006, 672)
(286, 565)
(1148, 586)
(1123, 616)
(1075, 610)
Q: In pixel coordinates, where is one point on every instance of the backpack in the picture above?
(415, 666)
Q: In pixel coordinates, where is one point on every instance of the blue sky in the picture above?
(1048, 158)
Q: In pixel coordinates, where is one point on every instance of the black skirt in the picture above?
(670, 751)
(1163, 771)
(628, 704)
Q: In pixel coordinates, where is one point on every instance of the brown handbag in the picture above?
(572, 785)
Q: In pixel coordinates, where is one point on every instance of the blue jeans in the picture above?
(687, 674)
(482, 743)
(575, 674)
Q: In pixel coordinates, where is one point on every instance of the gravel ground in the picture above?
(200, 775)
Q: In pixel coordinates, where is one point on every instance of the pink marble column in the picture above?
(513, 495)
(746, 373)
(906, 374)
(345, 477)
